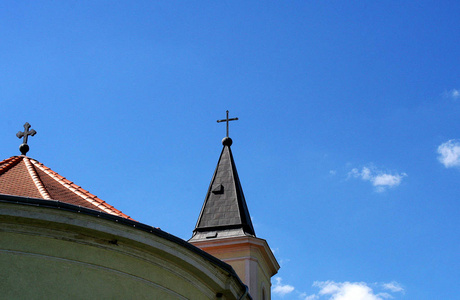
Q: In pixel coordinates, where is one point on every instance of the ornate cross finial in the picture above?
(24, 148)
(227, 120)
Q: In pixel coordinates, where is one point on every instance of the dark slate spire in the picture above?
(224, 212)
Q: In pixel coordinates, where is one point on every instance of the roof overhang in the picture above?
(56, 214)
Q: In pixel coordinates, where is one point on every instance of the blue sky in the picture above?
(347, 144)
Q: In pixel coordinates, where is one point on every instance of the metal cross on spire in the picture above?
(24, 148)
(227, 120)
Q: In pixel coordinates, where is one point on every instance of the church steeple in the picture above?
(224, 228)
(224, 212)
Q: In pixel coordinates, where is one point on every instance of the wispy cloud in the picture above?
(449, 153)
(332, 290)
(281, 289)
(380, 180)
(393, 287)
(454, 94)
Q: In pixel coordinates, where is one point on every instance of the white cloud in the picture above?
(387, 179)
(449, 153)
(379, 179)
(385, 295)
(346, 290)
(393, 287)
(281, 289)
(454, 94)
(332, 290)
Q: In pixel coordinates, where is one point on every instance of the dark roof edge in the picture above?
(54, 204)
(223, 227)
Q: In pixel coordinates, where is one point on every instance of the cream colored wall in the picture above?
(51, 254)
(41, 267)
(251, 258)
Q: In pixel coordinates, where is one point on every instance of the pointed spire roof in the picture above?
(224, 212)
(26, 177)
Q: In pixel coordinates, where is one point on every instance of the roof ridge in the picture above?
(8, 163)
(84, 194)
(36, 179)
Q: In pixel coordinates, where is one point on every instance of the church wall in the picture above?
(250, 268)
(51, 254)
(251, 258)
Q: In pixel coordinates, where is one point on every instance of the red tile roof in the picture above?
(26, 177)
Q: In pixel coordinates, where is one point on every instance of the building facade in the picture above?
(58, 241)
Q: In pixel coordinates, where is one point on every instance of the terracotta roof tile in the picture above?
(23, 176)
(9, 163)
(16, 180)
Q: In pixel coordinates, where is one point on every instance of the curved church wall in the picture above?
(47, 253)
